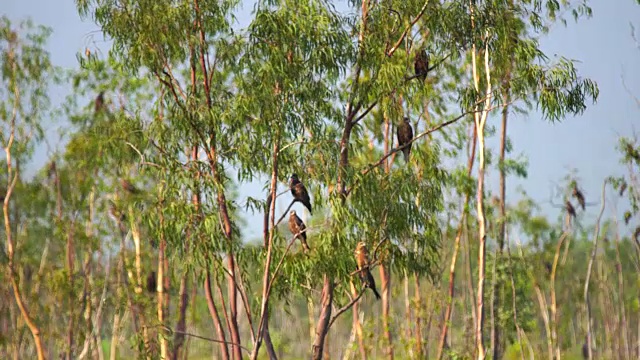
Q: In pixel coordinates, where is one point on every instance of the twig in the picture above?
(345, 308)
(406, 30)
(170, 330)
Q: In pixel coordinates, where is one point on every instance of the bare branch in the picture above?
(345, 308)
(407, 29)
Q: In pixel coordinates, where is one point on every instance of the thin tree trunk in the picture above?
(323, 321)
(135, 234)
(496, 339)
(454, 256)
(268, 232)
(385, 276)
(35, 330)
(160, 288)
(221, 199)
(552, 282)
(480, 121)
(116, 314)
(224, 350)
(623, 312)
(178, 339)
(513, 301)
(385, 286)
(545, 317)
(419, 339)
(407, 313)
(588, 276)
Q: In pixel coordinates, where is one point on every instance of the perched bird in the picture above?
(578, 195)
(405, 134)
(362, 260)
(99, 103)
(299, 192)
(570, 209)
(623, 187)
(129, 186)
(296, 226)
(421, 64)
(51, 171)
(152, 283)
(627, 217)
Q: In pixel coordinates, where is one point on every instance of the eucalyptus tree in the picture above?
(311, 90)
(27, 72)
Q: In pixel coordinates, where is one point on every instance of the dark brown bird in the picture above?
(623, 187)
(627, 217)
(299, 192)
(570, 209)
(636, 235)
(362, 260)
(152, 282)
(52, 170)
(99, 102)
(421, 64)
(405, 134)
(129, 186)
(297, 227)
(578, 195)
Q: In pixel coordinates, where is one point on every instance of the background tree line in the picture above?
(131, 241)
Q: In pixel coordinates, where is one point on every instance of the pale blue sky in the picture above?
(602, 44)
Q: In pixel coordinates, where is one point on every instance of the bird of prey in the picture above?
(296, 226)
(362, 260)
(299, 192)
(623, 187)
(99, 103)
(578, 195)
(570, 209)
(126, 185)
(421, 64)
(405, 134)
(152, 282)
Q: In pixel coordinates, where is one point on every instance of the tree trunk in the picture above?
(498, 348)
(588, 275)
(385, 286)
(224, 350)
(323, 321)
(160, 288)
(178, 339)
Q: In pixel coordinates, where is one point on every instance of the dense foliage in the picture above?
(134, 239)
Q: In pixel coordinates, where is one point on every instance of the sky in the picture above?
(602, 45)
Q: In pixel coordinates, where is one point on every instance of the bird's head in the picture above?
(361, 245)
(292, 213)
(406, 119)
(294, 176)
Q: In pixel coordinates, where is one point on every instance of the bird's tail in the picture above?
(305, 246)
(307, 204)
(375, 292)
(405, 152)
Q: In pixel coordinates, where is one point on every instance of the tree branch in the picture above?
(406, 30)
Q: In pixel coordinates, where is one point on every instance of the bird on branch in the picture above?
(405, 134)
(362, 260)
(299, 192)
(297, 227)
